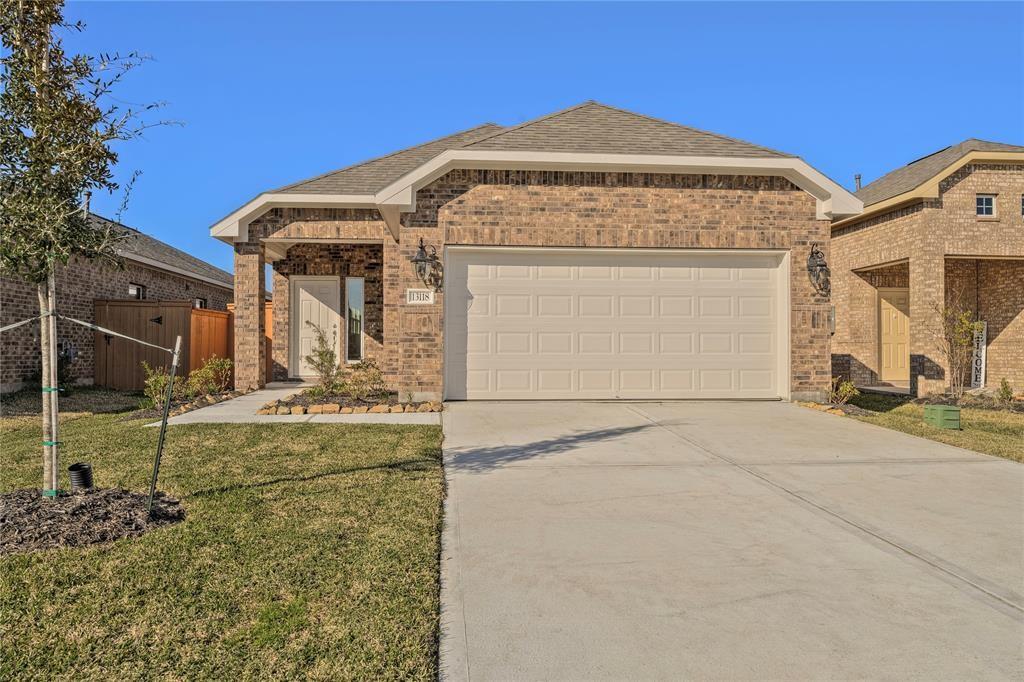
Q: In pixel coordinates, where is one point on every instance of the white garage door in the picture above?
(553, 323)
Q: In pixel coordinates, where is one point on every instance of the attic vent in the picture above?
(928, 155)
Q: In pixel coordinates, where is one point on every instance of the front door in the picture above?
(894, 334)
(315, 300)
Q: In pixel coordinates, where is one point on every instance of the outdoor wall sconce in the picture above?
(817, 270)
(427, 265)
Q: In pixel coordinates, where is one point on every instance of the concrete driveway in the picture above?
(723, 541)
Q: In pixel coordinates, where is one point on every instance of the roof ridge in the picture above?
(686, 127)
(591, 102)
(524, 124)
(380, 158)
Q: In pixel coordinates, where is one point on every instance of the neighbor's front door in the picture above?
(315, 300)
(894, 334)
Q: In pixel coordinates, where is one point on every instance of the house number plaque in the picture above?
(419, 296)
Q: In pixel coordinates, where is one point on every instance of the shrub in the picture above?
(323, 359)
(1005, 392)
(212, 377)
(365, 381)
(841, 391)
(156, 385)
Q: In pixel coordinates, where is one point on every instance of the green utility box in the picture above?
(942, 416)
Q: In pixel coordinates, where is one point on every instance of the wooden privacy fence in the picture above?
(268, 336)
(204, 334)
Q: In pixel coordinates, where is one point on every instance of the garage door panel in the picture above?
(613, 324)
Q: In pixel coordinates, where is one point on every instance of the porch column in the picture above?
(927, 298)
(250, 293)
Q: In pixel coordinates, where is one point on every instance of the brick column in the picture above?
(250, 293)
(927, 297)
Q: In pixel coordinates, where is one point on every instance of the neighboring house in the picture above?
(590, 253)
(943, 231)
(153, 270)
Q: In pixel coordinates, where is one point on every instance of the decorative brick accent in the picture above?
(924, 236)
(78, 285)
(547, 208)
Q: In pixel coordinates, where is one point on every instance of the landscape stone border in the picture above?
(281, 407)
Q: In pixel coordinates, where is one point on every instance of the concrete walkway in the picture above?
(242, 410)
(723, 541)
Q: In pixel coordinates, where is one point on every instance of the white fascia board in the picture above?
(235, 226)
(157, 265)
(833, 199)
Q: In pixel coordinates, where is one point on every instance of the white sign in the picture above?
(419, 296)
(978, 361)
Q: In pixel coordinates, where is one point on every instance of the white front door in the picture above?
(315, 300)
(612, 324)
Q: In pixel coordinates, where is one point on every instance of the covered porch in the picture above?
(342, 270)
(895, 321)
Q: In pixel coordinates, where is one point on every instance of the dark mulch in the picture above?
(29, 523)
(341, 399)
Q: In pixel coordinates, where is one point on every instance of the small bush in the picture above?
(324, 359)
(212, 377)
(155, 387)
(841, 391)
(1005, 392)
(365, 381)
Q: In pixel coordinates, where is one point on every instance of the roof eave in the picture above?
(833, 200)
(929, 189)
(235, 226)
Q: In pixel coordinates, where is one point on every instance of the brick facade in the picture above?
(537, 208)
(78, 285)
(930, 244)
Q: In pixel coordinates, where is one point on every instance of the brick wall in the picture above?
(78, 285)
(564, 209)
(923, 235)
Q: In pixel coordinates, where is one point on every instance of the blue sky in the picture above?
(270, 93)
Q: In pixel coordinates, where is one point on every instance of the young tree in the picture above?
(954, 339)
(58, 125)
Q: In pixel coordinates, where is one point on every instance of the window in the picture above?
(1022, 204)
(199, 303)
(136, 291)
(985, 205)
(353, 319)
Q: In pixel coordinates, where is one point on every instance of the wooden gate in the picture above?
(204, 333)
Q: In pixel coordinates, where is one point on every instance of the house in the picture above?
(152, 270)
(589, 253)
(945, 231)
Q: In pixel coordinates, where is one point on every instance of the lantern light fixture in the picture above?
(818, 271)
(427, 265)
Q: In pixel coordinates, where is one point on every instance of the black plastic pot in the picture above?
(81, 476)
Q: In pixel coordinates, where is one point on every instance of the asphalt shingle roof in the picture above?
(367, 177)
(590, 127)
(145, 246)
(594, 128)
(918, 172)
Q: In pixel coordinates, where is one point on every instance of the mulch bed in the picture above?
(341, 399)
(29, 523)
(974, 401)
(831, 408)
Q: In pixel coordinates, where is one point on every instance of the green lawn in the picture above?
(998, 433)
(308, 551)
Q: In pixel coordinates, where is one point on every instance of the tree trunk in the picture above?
(42, 291)
(54, 382)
